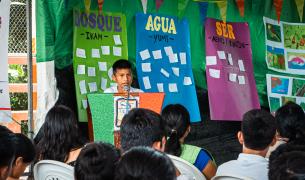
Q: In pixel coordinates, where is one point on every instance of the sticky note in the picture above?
(187, 81)
(80, 53)
(230, 60)
(241, 65)
(241, 80)
(146, 67)
(110, 73)
(232, 77)
(172, 87)
(81, 69)
(117, 40)
(92, 87)
(182, 57)
(145, 54)
(102, 66)
(168, 50)
(95, 53)
(105, 50)
(82, 87)
(221, 54)
(164, 72)
(215, 73)
(146, 82)
(157, 54)
(173, 58)
(160, 87)
(211, 60)
(176, 71)
(85, 103)
(117, 51)
(103, 83)
(91, 71)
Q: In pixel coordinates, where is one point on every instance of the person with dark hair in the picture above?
(142, 163)
(122, 75)
(257, 134)
(25, 154)
(61, 139)
(7, 151)
(96, 161)
(176, 123)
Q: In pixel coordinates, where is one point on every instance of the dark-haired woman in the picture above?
(61, 139)
(176, 122)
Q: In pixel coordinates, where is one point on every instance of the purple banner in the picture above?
(231, 85)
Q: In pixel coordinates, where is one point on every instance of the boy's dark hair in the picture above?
(176, 120)
(24, 148)
(7, 146)
(258, 128)
(121, 64)
(140, 127)
(142, 163)
(96, 161)
(290, 121)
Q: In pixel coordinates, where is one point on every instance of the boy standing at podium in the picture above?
(122, 75)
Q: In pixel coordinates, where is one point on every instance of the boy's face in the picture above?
(122, 77)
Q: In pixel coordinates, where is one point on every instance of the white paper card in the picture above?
(176, 71)
(117, 51)
(102, 66)
(105, 50)
(80, 53)
(82, 87)
(92, 87)
(81, 69)
(117, 40)
(173, 58)
(241, 65)
(145, 54)
(241, 80)
(164, 72)
(172, 87)
(230, 59)
(232, 77)
(168, 50)
(91, 71)
(182, 57)
(187, 81)
(211, 60)
(146, 67)
(85, 103)
(95, 53)
(110, 73)
(146, 82)
(103, 83)
(221, 54)
(157, 54)
(160, 87)
(215, 73)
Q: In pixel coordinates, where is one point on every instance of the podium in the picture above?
(104, 116)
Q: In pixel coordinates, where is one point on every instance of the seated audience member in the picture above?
(25, 154)
(7, 151)
(176, 122)
(144, 163)
(96, 161)
(61, 139)
(257, 134)
(122, 75)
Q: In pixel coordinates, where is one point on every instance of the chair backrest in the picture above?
(53, 170)
(187, 168)
(230, 177)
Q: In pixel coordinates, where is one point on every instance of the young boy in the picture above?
(257, 134)
(122, 75)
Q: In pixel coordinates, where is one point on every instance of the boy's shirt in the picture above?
(114, 89)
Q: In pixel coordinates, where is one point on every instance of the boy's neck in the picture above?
(255, 152)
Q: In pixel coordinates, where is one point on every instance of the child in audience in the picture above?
(96, 161)
(122, 75)
(25, 154)
(176, 122)
(257, 134)
(61, 139)
(144, 163)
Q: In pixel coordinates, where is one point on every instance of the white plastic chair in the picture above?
(187, 168)
(53, 170)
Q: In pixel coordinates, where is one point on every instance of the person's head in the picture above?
(142, 163)
(7, 152)
(60, 134)
(96, 161)
(122, 74)
(142, 127)
(257, 130)
(176, 123)
(290, 121)
(25, 154)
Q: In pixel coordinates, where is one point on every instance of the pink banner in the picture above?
(231, 85)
